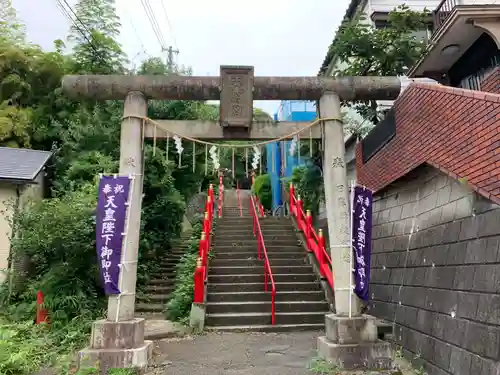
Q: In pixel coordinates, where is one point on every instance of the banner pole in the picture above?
(124, 245)
(351, 266)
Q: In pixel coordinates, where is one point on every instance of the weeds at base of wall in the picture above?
(26, 348)
(112, 371)
(320, 366)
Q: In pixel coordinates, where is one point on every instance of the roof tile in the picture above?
(455, 130)
(21, 163)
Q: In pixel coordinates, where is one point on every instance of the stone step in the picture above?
(167, 269)
(281, 242)
(269, 328)
(237, 231)
(270, 254)
(169, 263)
(252, 261)
(235, 319)
(150, 315)
(255, 278)
(259, 270)
(159, 289)
(233, 223)
(162, 275)
(246, 235)
(270, 247)
(264, 306)
(259, 286)
(150, 307)
(174, 259)
(161, 282)
(161, 298)
(281, 296)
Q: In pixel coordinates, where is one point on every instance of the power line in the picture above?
(154, 23)
(169, 25)
(79, 29)
(136, 32)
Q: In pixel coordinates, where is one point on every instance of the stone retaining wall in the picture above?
(436, 272)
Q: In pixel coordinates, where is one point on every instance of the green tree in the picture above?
(95, 34)
(354, 125)
(12, 30)
(153, 66)
(363, 50)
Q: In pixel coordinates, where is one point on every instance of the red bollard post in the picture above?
(41, 312)
(209, 205)
(199, 282)
(321, 251)
(308, 232)
(299, 212)
(201, 250)
(292, 199)
(206, 223)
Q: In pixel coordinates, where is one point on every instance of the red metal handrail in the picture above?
(262, 212)
(315, 241)
(221, 195)
(261, 250)
(239, 198)
(200, 273)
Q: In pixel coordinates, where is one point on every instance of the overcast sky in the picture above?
(277, 37)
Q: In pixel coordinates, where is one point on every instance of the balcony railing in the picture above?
(443, 10)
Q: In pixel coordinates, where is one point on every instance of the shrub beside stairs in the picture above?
(236, 299)
(162, 283)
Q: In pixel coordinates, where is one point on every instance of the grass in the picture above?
(320, 366)
(26, 348)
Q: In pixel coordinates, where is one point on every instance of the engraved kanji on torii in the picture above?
(236, 88)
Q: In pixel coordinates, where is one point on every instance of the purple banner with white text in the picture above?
(362, 240)
(110, 224)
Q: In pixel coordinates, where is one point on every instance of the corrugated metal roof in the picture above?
(21, 164)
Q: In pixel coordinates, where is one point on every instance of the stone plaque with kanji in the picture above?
(236, 98)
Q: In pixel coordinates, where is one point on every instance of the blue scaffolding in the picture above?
(289, 110)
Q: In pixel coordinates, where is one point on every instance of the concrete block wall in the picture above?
(436, 272)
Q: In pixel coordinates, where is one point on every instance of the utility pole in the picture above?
(170, 57)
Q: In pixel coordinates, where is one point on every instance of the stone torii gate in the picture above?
(119, 342)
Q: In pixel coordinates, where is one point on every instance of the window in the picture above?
(472, 82)
(470, 69)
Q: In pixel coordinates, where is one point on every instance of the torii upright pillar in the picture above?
(349, 341)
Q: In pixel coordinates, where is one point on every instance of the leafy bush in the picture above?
(179, 305)
(262, 189)
(25, 348)
(308, 183)
(58, 237)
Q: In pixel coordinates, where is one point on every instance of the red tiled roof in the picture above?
(492, 82)
(454, 130)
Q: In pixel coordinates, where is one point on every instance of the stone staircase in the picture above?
(160, 286)
(236, 299)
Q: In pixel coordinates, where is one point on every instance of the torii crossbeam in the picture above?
(236, 88)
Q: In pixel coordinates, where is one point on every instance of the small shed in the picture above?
(22, 178)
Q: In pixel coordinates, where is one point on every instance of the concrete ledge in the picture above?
(117, 335)
(197, 317)
(116, 358)
(346, 331)
(364, 356)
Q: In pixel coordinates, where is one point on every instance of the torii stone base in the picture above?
(353, 344)
(116, 345)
